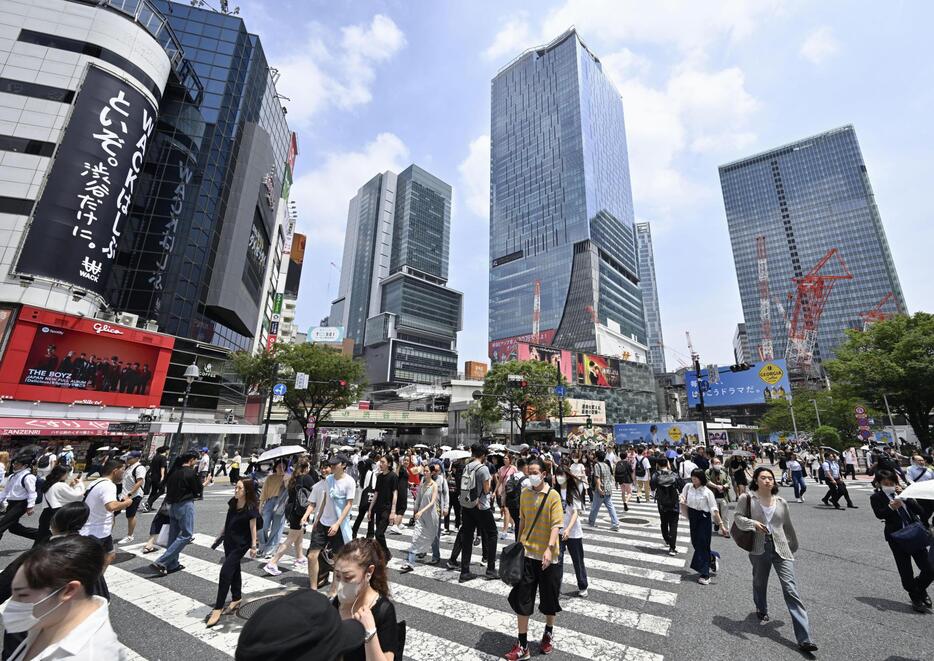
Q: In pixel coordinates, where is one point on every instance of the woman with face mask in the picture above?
(898, 513)
(52, 601)
(363, 595)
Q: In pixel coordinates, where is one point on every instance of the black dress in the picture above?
(387, 630)
(738, 469)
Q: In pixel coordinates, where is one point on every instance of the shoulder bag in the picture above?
(745, 539)
(512, 558)
(913, 536)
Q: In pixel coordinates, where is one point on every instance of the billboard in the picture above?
(581, 409)
(83, 208)
(658, 433)
(762, 383)
(62, 358)
(507, 348)
(293, 276)
(526, 351)
(326, 334)
(599, 371)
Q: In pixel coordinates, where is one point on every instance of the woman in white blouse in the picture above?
(58, 490)
(763, 511)
(699, 504)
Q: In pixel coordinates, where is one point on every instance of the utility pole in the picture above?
(560, 407)
(700, 388)
(794, 423)
(816, 411)
(898, 444)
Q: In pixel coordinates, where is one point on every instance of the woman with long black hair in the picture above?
(238, 537)
(700, 505)
(57, 491)
(571, 536)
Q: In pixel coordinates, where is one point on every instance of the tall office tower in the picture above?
(808, 244)
(393, 300)
(741, 352)
(653, 315)
(563, 267)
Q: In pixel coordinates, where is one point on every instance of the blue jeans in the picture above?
(181, 532)
(603, 500)
(575, 548)
(797, 480)
(271, 531)
(761, 568)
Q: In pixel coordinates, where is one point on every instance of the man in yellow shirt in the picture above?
(540, 518)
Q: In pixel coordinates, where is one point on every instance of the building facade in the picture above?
(653, 317)
(741, 352)
(795, 204)
(393, 300)
(563, 265)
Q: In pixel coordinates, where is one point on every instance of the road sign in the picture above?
(477, 394)
(279, 389)
(860, 410)
(704, 385)
(561, 391)
(301, 381)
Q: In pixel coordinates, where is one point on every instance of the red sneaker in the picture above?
(545, 646)
(518, 653)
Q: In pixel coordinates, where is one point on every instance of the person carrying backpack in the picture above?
(297, 512)
(474, 499)
(643, 476)
(512, 490)
(667, 486)
(603, 491)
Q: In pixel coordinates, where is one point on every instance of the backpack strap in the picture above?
(88, 492)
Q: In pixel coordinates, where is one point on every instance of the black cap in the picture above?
(301, 626)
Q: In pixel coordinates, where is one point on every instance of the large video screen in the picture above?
(550, 355)
(599, 371)
(657, 433)
(763, 383)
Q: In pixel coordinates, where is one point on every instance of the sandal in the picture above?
(232, 607)
(149, 549)
(207, 619)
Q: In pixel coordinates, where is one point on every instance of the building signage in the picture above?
(599, 371)
(58, 358)
(507, 348)
(550, 355)
(581, 409)
(658, 433)
(59, 427)
(129, 427)
(77, 223)
(293, 275)
(762, 383)
(326, 334)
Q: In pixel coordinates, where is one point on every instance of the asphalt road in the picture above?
(643, 605)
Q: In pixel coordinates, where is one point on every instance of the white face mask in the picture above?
(535, 480)
(347, 591)
(18, 616)
(562, 480)
(888, 491)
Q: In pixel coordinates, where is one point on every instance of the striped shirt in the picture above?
(552, 516)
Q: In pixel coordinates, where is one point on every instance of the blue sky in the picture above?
(378, 85)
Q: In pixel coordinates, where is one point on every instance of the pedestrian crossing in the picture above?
(627, 615)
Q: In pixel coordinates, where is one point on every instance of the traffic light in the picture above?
(342, 383)
(740, 367)
(589, 422)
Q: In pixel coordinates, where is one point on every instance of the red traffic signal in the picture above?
(342, 383)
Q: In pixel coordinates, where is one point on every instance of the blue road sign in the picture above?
(560, 391)
(279, 389)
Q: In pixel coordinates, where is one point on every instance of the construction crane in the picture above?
(766, 350)
(537, 313)
(876, 314)
(811, 293)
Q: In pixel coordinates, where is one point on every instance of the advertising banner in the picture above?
(762, 383)
(599, 371)
(658, 433)
(718, 437)
(293, 276)
(507, 348)
(76, 225)
(326, 334)
(62, 358)
(526, 351)
(60, 427)
(581, 409)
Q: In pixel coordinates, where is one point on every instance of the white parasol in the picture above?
(420, 446)
(281, 451)
(923, 490)
(454, 455)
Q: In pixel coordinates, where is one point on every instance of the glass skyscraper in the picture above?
(807, 198)
(653, 316)
(563, 266)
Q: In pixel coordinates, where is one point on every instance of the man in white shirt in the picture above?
(133, 478)
(20, 497)
(101, 499)
(849, 463)
(686, 467)
(46, 463)
(332, 527)
(204, 467)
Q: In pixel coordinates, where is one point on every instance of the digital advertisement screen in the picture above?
(550, 355)
(599, 371)
(763, 383)
(657, 433)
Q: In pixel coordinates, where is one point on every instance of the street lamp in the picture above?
(191, 374)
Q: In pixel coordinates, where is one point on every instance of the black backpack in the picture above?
(640, 467)
(668, 496)
(44, 460)
(513, 491)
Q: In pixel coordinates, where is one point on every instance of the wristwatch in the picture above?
(368, 635)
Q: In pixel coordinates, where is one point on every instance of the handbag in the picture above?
(913, 536)
(512, 558)
(745, 539)
(163, 538)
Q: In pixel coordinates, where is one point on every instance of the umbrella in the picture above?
(105, 449)
(420, 446)
(497, 446)
(445, 447)
(923, 490)
(281, 451)
(739, 453)
(344, 448)
(454, 455)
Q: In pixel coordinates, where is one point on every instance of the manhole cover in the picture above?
(631, 519)
(246, 611)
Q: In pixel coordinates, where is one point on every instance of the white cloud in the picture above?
(321, 74)
(513, 38)
(322, 194)
(475, 176)
(820, 45)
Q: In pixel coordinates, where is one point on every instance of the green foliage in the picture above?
(894, 357)
(536, 401)
(836, 406)
(826, 435)
(480, 420)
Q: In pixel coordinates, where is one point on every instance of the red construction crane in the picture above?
(766, 350)
(811, 293)
(876, 314)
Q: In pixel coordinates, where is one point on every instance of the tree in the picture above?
(480, 420)
(521, 404)
(837, 410)
(334, 381)
(826, 435)
(894, 358)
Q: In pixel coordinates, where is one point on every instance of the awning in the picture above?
(56, 427)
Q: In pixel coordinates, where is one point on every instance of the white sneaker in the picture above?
(703, 581)
(126, 540)
(272, 570)
(799, 500)
(672, 552)
(582, 594)
(300, 563)
(267, 556)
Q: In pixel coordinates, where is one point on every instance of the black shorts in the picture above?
(534, 579)
(106, 542)
(131, 510)
(320, 539)
(295, 522)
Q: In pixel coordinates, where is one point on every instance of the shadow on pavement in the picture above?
(746, 628)
(885, 605)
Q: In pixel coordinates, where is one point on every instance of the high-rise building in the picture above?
(563, 267)
(741, 352)
(653, 317)
(393, 301)
(787, 209)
